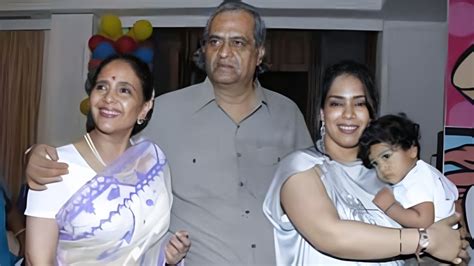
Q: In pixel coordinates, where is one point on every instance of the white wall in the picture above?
(412, 76)
(65, 64)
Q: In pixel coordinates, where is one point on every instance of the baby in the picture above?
(419, 194)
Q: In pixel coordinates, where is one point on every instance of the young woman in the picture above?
(114, 205)
(320, 201)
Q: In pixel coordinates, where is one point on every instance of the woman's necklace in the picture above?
(93, 149)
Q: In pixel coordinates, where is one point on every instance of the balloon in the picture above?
(147, 43)
(93, 63)
(94, 40)
(145, 54)
(111, 26)
(84, 106)
(103, 50)
(125, 44)
(142, 30)
(131, 34)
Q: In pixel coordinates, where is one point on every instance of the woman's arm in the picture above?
(41, 241)
(305, 201)
(16, 224)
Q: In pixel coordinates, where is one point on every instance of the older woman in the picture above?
(114, 205)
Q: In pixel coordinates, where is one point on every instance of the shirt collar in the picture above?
(206, 94)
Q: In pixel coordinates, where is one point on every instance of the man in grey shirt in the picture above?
(223, 139)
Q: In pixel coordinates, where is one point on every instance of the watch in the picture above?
(423, 242)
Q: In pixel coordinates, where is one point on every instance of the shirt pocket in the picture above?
(268, 155)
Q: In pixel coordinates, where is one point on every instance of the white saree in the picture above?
(120, 216)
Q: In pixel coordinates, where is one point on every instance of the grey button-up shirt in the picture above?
(221, 170)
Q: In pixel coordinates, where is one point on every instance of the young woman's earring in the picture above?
(322, 130)
(140, 121)
(322, 133)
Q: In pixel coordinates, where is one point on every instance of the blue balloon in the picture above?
(145, 54)
(103, 50)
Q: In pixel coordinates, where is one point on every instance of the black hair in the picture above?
(357, 70)
(141, 70)
(259, 31)
(395, 130)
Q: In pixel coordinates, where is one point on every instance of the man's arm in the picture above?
(43, 167)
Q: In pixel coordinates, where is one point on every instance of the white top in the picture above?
(351, 188)
(424, 183)
(116, 217)
(46, 203)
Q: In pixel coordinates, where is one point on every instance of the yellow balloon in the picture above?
(142, 30)
(111, 26)
(131, 34)
(85, 106)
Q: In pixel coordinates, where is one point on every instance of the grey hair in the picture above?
(259, 31)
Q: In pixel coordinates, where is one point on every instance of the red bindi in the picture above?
(113, 77)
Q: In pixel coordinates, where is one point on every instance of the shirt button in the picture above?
(247, 211)
(241, 184)
(239, 154)
(253, 246)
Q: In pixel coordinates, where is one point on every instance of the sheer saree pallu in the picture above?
(120, 216)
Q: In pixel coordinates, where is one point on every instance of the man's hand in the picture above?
(384, 199)
(42, 167)
(177, 247)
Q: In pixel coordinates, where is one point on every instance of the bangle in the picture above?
(19, 232)
(400, 230)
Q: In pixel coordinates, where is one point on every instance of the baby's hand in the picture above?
(384, 199)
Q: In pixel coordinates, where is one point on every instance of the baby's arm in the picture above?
(417, 216)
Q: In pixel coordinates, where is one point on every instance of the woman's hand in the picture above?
(177, 247)
(445, 243)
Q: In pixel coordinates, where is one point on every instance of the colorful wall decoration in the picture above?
(113, 39)
(459, 95)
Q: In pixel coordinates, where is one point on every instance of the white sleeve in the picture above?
(421, 188)
(46, 203)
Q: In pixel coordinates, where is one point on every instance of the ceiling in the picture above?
(413, 10)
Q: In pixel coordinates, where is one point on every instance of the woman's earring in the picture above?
(322, 130)
(322, 133)
(140, 121)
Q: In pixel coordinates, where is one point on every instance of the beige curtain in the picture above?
(21, 61)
